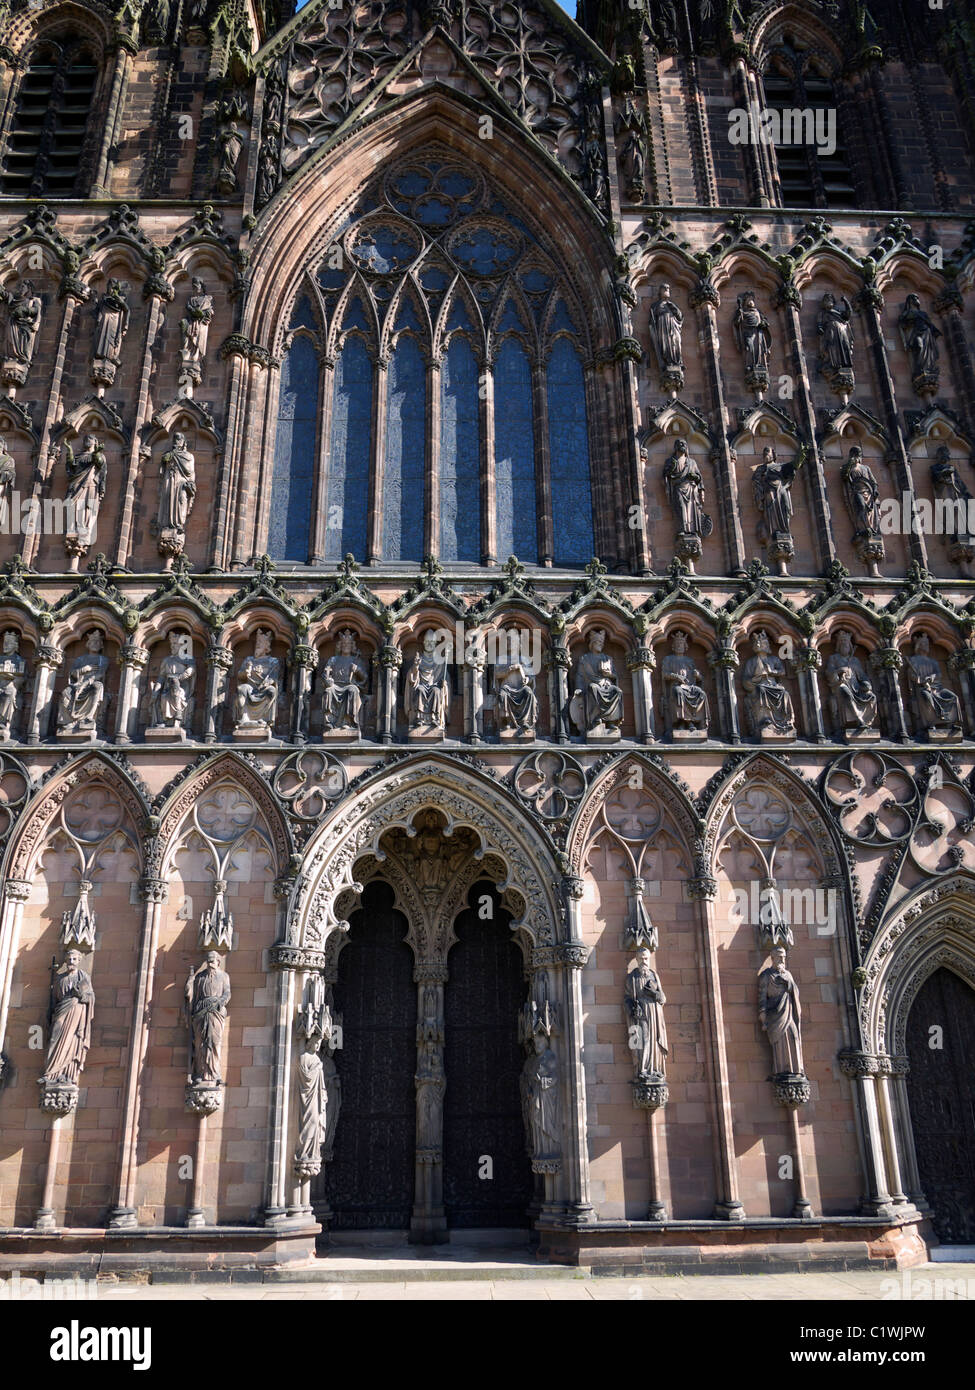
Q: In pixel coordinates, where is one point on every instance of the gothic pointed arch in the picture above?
(177, 800)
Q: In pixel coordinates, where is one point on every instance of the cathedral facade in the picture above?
(487, 690)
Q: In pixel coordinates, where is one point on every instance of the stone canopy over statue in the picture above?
(84, 699)
(426, 696)
(767, 701)
(13, 678)
(780, 1014)
(171, 693)
(685, 490)
(685, 700)
(647, 1031)
(344, 681)
(938, 708)
(596, 706)
(851, 695)
(258, 688)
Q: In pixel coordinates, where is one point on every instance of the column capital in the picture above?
(858, 1065)
(16, 890)
(283, 956)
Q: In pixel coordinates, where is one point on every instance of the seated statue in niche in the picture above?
(767, 701)
(596, 706)
(344, 680)
(938, 708)
(258, 688)
(515, 700)
(13, 677)
(171, 693)
(851, 696)
(953, 509)
(427, 693)
(84, 700)
(685, 700)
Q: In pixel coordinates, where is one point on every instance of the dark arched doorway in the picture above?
(487, 1174)
(369, 1182)
(941, 1091)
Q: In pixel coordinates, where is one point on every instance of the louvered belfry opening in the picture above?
(808, 176)
(44, 146)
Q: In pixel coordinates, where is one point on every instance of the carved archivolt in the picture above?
(358, 827)
(935, 927)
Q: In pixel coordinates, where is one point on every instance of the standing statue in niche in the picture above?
(632, 132)
(87, 477)
(767, 701)
(596, 706)
(111, 328)
(171, 693)
(666, 325)
(13, 678)
(862, 495)
(258, 687)
(194, 329)
(207, 994)
(177, 489)
(344, 680)
(938, 708)
(83, 699)
(951, 490)
(515, 700)
(312, 1108)
(835, 328)
(541, 1104)
(685, 699)
(852, 697)
(920, 338)
(772, 488)
(753, 338)
(69, 1025)
(233, 114)
(8, 480)
(647, 1031)
(685, 490)
(23, 322)
(430, 1087)
(427, 693)
(779, 1013)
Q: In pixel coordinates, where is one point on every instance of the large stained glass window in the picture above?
(514, 455)
(569, 452)
(292, 483)
(460, 456)
(349, 454)
(403, 466)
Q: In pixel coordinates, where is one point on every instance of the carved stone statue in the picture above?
(333, 1103)
(344, 680)
(685, 700)
(87, 476)
(430, 1087)
(772, 488)
(666, 326)
(515, 701)
(233, 113)
(685, 490)
(938, 708)
(69, 1036)
(852, 699)
(83, 699)
(13, 677)
(194, 328)
(953, 493)
(111, 328)
(171, 693)
(753, 338)
(779, 1013)
(207, 996)
(633, 150)
(8, 481)
(23, 322)
(596, 706)
(647, 1031)
(258, 687)
(541, 1104)
(920, 338)
(312, 1108)
(177, 489)
(427, 693)
(835, 328)
(767, 701)
(862, 496)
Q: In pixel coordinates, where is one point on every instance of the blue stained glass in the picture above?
(384, 249)
(303, 315)
(349, 454)
(433, 212)
(510, 321)
(514, 455)
(407, 317)
(402, 499)
(434, 280)
(536, 283)
(293, 476)
(460, 460)
(562, 323)
(412, 183)
(569, 452)
(484, 252)
(458, 316)
(355, 316)
(456, 185)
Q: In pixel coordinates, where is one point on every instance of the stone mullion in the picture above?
(234, 351)
(431, 462)
(761, 172)
(428, 1222)
(254, 506)
(154, 893)
(15, 892)
(377, 470)
(132, 659)
(488, 467)
(543, 466)
(113, 123)
(862, 1068)
(48, 660)
(130, 488)
(319, 536)
(569, 959)
(728, 1206)
(814, 470)
(45, 457)
(949, 306)
(628, 393)
(871, 303)
(705, 299)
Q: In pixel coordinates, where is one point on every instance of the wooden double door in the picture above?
(372, 1181)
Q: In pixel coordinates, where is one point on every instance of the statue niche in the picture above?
(685, 701)
(852, 701)
(937, 709)
(13, 681)
(171, 693)
(596, 706)
(84, 700)
(426, 695)
(345, 680)
(515, 699)
(767, 701)
(258, 689)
